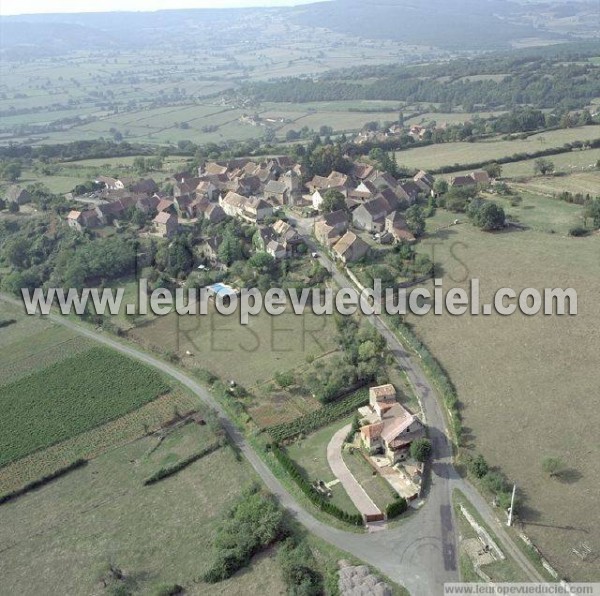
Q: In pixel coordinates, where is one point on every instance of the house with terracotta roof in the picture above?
(165, 224)
(78, 220)
(350, 248)
(391, 428)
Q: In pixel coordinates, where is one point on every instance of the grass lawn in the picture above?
(506, 570)
(310, 454)
(517, 375)
(70, 397)
(375, 486)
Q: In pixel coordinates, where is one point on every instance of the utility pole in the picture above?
(512, 504)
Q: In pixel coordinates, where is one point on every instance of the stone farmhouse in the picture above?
(390, 428)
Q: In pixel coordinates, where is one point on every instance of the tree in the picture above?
(13, 207)
(543, 166)
(415, 220)
(592, 211)
(440, 187)
(333, 200)
(420, 449)
(553, 466)
(12, 171)
(262, 262)
(494, 170)
(489, 217)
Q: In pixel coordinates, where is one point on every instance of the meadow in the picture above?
(527, 383)
(250, 354)
(449, 154)
(61, 537)
(70, 397)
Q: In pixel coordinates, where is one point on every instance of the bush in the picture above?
(477, 466)
(578, 231)
(255, 522)
(284, 379)
(495, 482)
(396, 508)
(300, 571)
(420, 449)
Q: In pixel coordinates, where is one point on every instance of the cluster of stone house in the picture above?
(251, 190)
(373, 205)
(389, 428)
(280, 239)
(395, 131)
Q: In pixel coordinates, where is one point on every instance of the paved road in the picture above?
(355, 491)
(421, 552)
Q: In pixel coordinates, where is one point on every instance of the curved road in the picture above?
(421, 552)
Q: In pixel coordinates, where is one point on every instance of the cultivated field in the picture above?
(528, 384)
(70, 397)
(67, 406)
(448, 154)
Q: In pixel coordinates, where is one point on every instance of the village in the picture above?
(348, 212)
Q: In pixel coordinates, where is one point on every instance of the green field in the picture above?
(249, 354)
(71, 397)
(62, 536)
(517, 376)
(572, 162)
(449, 154)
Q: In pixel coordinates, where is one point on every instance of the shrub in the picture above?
(495, 482)
(253, 523)
(578, 231)
(300, 571)
(478, 466)
(396, 508)
(284, 379)
(552, 466)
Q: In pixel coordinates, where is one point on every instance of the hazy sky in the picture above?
(11, 7)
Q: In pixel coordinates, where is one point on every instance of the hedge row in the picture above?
(437, 373)
(180, 465)
(6, 497)
(516, 157)
(321, 417)
(316, 498)
(396, 508)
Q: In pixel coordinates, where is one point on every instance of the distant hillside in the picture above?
(451, 24)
